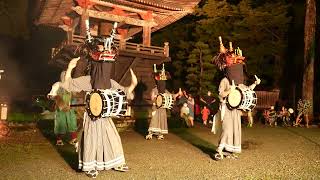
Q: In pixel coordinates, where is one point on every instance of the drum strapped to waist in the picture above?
(106, 103)
(164, 100)
(242, 99)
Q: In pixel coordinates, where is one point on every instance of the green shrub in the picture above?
(22, 117)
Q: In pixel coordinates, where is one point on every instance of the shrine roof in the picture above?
(165, 11)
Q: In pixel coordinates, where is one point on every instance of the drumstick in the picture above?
(258, 81)
(77, 105)
(233, 86)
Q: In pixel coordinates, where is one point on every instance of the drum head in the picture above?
(95, 104)
(234, 98)
(159, 100)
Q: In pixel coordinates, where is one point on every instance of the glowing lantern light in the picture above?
(1, 71)
(4, 112)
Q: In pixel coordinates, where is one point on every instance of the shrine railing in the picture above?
(123, 46)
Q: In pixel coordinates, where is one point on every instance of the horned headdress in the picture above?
(231, 61)
(101, 48)
(228, 57)
(161, 75)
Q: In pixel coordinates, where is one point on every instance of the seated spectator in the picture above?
(270, 116)
(185, 114)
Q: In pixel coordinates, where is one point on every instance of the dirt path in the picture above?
(268, 153)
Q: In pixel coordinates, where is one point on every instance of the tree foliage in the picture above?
(200, 71)
(259, 28)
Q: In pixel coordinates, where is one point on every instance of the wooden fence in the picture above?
(267, 99)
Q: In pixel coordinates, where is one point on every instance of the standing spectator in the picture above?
(191, 105)
(197, 110)
(205, 115)
(208, 101)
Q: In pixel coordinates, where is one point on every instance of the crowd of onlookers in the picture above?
(203, 108)
(284, 116)
(192, 109)
(288, 116)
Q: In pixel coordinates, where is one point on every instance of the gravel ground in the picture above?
(268, 153)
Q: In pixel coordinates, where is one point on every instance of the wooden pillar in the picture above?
(68, 27)
(70, 36)
(84, 17)
(122, 35)
(146, 35)
(122, 42)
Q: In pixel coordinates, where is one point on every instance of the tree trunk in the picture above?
(201, 71)
(309, 52)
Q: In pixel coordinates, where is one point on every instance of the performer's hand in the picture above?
(54, 89)
(134, 82)
(73, 63)
(258, 81)
(153, 113)
(134, 79)
(180, 92)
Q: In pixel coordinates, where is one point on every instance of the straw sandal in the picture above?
(218, 156)
(149, 136)
(122, 168)
(73, 141)
(160, 137)
(92, 173)
(59, 143)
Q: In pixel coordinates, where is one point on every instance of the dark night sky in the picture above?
(25, 50)
(26, 63)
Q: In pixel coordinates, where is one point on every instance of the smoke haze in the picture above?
(11, 82)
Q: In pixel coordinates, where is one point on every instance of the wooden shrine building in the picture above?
(133, 17)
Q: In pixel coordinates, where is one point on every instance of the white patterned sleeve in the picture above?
(224, 88)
